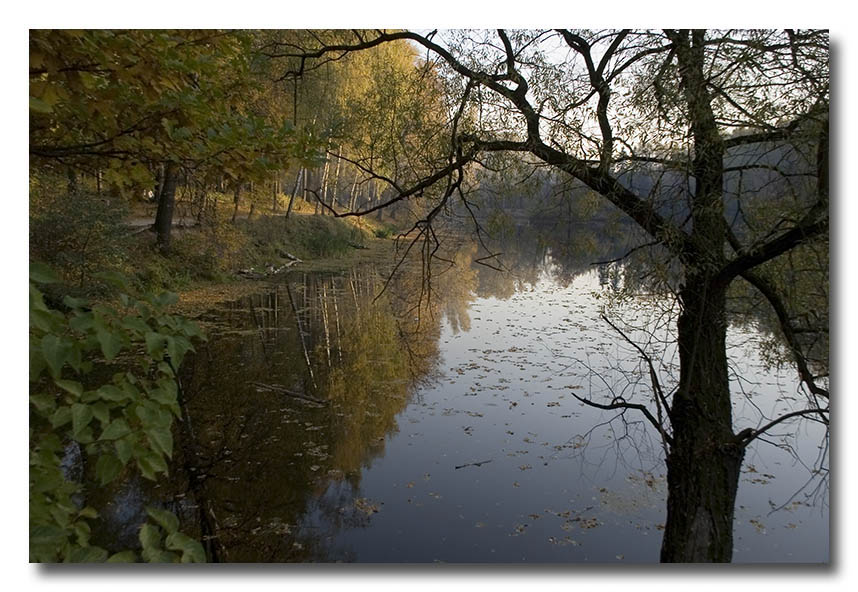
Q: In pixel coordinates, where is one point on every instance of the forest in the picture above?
(255, 256)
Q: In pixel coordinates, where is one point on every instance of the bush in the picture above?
(124, 424)
(384, 232)
(79, 235)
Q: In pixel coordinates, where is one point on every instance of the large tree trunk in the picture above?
(704, 460)
(166, 203)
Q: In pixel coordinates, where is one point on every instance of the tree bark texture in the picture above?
(166, 204)
(704, 460)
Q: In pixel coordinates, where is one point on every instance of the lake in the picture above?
(341, 417)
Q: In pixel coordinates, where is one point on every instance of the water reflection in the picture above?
(438, 422)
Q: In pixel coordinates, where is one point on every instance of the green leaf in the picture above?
(123, 557)
(101, 412)
(76, 303)
(107, 468)
(37, 363)
(150, 537)
(71, 386)
(109, 392)
(160, 556)
(43, 319)
(150, 465)
(61, 417)
(192, 550)
(47, 535)
(88, 512)
(37, 301)
(117, 429)
(81, 322)
(166, 395)
(87, 555)
(81, 416)
(110, 343)
(42, 274)
(55, 352)
(43, 402)
(152, 415)
(167, 520)
(155, 344)
(123, 450)
(136, 324)
(85, 436)
(161, 439)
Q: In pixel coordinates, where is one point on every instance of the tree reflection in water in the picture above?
(300, 389)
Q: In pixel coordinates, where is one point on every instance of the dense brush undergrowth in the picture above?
(84, 234)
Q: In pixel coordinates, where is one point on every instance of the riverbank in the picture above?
(219, 254)
(204, 295)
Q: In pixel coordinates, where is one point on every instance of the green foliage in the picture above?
(78, 234)
(124, 424)
(121, 100)
(165, 544)
(384, 232)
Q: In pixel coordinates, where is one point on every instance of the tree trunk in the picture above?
(71, 178)
(294, 193)
(705, 459)
(321, 200)
(159, 182)
(274, 187)
(333, 203)
(353, 194)
(304, 181)
(236, 197)
(166, 203)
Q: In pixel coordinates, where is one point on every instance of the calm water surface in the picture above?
(326, 425)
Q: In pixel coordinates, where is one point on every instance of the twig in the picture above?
(473, 464)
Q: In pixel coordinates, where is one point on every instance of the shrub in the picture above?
(124, 424)
(79, 235)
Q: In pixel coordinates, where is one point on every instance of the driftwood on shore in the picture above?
(282, 390)
(268, 272)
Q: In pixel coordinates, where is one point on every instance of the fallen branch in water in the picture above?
(289, 393)
(473, 464)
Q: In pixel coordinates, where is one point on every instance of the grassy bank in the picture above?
(83, 237)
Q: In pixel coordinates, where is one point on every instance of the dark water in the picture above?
(328, 425)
